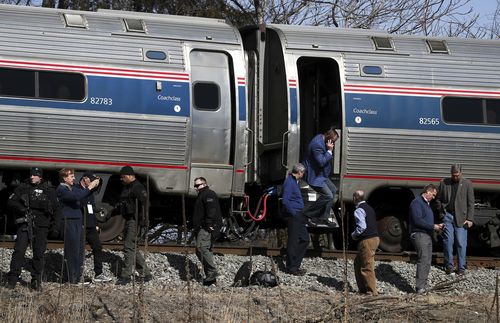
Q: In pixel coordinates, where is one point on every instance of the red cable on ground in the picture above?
(263, 215)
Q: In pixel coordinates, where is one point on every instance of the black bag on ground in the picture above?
(264, 278)
(242, 277)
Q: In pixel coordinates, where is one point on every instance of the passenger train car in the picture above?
(181, 97)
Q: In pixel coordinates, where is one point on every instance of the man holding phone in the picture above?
(91, 233)
(318, 168)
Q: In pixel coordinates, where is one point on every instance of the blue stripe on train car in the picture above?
(402, 112)
(242, 103)
(293, 105)
(123, 95)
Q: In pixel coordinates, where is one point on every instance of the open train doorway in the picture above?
(320, 103)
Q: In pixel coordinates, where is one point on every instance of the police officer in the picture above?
(34, 205)
(91, 234)
(133, 200)
(207, 222)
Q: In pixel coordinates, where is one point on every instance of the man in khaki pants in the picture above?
(367, 235)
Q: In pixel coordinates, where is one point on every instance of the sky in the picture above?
(485, 8)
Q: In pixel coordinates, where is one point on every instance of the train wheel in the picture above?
(111, 228)
(392, 233)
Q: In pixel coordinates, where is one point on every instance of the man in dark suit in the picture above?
(456, 202)
(422, 226)
(318, 168)
(298, 237)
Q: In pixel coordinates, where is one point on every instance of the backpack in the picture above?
(264, 279)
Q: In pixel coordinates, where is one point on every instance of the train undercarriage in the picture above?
(256, 218)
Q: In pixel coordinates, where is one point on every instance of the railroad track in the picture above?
(247, 250)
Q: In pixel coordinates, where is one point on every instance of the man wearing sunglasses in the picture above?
(207, 222)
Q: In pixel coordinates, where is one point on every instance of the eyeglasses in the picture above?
(197, 185)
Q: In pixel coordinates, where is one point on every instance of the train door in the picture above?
(320, 103)
(211, 106)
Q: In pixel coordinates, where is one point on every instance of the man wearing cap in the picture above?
(207, 222)
(133, 202)
(34, 205)
(90, 223)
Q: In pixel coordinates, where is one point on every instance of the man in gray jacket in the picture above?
(456, 200)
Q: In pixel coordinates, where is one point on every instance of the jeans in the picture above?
(423, 245)
(321, 208)
(454, 234)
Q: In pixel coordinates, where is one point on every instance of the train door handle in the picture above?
(250, 134)
(283, 150)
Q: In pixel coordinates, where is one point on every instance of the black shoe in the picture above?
(210, 279)
(322, 223)
(36, 285)
(208, 282)
(298, 272)
(461, 272)
(146, 278)
(449, 270)
(11, 284)
(123, 281)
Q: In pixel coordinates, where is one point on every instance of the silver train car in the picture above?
(182, 97)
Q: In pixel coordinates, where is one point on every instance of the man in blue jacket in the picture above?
(318, 168)
(70, 197)
(421, 229)
(298, 237)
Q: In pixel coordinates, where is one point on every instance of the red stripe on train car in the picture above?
(89, 162)
(415, 179)
(100, 70)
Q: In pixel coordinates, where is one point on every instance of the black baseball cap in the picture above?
(36, 171)
(127, 170)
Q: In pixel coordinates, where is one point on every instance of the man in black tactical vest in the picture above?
(367, 235)
(207, 223)
(34, 205)
(133, 208)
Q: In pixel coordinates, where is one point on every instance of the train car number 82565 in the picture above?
(429, 121)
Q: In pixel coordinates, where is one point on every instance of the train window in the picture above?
(156, 55)
(382, 43)
(61, 86)
(206, 96)
(42, 84)
(73, 20)
(134, 25)
(437, 46)
(14, 82)
(463, 110)
(372, 70)
(493, 111)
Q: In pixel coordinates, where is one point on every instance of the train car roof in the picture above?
(112, 21)
(107, 37)
(361, 40)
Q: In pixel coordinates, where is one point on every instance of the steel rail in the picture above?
(247, 250)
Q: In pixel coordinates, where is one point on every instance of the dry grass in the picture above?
(108, 303)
